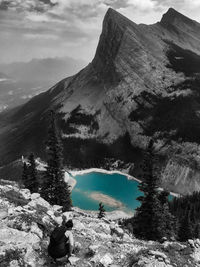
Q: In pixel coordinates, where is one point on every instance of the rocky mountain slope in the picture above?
(26, 221)
(143, 82)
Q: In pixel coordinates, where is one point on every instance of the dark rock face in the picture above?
(114, 26)
(182, 60)
(143, 82)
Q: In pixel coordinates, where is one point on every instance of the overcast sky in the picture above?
(53, 28)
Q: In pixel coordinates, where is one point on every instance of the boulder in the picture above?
(163, 239)
(103, 236)
(39, 203)
(19, 209)
(173, 246)
(33, 258)
(196, 256)
(127, 238)
(73, 260)
(68, 215)
(157, 254)
(3, 213)
(78, 225)
(51, 214)
(77, 247)
(57, 208)
(30, 257)
(26, 193)
(14, 263)
(93, 249)
(36, 230)
(46, 220)
(191, 243)
(106, 260)
(58, 220)
(151, 262)
(19, 223)
(116, 230)
(14, 236)
(35, 196)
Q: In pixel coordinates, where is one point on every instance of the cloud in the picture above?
(28, 5)
(40, 28)
(142, 4)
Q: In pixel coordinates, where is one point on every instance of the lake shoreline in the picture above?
(71, 181)
(86, 171)
(128, 176)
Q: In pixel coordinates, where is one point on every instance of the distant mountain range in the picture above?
(3, 76)
(143, 82)
(42, 70)
(20, 81)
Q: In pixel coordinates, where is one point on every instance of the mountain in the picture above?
(143, 82)
(3, 76)
(43, 70)
(24, 80)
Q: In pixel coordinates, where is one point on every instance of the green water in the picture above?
(114, 185)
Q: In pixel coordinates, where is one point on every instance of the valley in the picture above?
(138, 86)
(101, 167)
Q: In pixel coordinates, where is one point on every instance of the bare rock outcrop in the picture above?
(27, 221)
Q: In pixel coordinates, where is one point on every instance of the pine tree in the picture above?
(197, 230)
(32, 174)
(25, 175)
(168, 222)
(185, 229)
(190, 204)
(54, 189)
(147, 222)
(101, 211)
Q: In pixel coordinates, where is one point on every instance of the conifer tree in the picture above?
(168, 222)
(185, 229)
(101, 211)
(29, 175)
(197, 230)
(32, 174)
(54, 189)
(25, 175)
(189, 204)
(147, 222)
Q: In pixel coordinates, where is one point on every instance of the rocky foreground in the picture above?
(26, 221)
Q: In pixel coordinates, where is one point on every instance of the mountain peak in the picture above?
(118, 18)
(111, 11)
(114, 27)
(173, 12)
(173, 15)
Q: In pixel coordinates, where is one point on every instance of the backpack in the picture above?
(58, 236)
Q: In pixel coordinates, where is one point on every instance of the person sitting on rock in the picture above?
(61, 241)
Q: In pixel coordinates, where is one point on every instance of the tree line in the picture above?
(51, 185)
(187, 210)
(157, 218)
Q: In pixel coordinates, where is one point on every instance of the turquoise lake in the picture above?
(113, 185)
